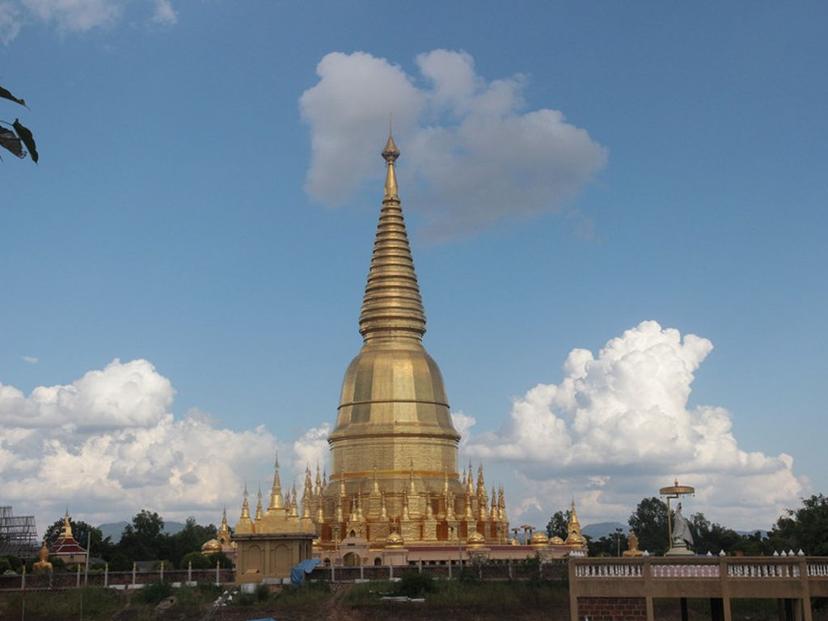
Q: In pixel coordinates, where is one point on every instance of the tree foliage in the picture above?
(803, 529)
(143, 539)
(189, 539)
(649, 523)
(15, 136)
(556, 527)
(608, 545)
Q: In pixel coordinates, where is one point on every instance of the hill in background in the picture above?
(115, 529)
(603, 529)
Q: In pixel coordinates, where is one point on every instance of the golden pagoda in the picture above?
(396, 494)
(573, 529)
(394, 447)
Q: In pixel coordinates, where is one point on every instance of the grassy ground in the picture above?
(36, 605)
(456, 600)
(95, 603)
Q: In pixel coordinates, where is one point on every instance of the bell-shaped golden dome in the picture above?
(394, 540)
(556, 541)
(394, 388)
(476, 539)
(212, 546)
(538, 538)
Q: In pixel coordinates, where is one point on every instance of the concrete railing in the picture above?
(115, 579)
(659, 568)
(553, 571)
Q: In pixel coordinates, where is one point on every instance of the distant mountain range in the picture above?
(603, 529)
(115, 529)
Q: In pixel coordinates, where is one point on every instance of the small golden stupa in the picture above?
(573, 529)
(222, 542)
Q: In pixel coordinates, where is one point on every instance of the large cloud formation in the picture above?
(73, 15)
(618, 426)
(473, 154)
(107, 445)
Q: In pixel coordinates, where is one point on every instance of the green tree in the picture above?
(556, 527)
(711, 537)
(804, 529)
(199, 561)
(649, 523)
(188, 539)
(143, 540)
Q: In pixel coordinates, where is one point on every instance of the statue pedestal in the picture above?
(679, 549)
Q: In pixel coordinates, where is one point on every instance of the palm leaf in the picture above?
(5, 94)
(27, 138)
(10, 142)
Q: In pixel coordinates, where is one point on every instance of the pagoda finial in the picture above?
(392, 306)
(276, 500)
(245, 510)
(259, 512)
(390, 154)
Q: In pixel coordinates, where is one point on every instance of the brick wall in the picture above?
(612, 608)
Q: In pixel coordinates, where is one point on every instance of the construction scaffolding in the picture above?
(18, 534)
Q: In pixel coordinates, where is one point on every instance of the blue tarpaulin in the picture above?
(297, 574)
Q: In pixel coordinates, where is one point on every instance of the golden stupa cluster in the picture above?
(394, 477)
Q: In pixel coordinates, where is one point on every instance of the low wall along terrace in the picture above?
(602, 589)
(114, 579)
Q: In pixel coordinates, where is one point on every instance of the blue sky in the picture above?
(169, 220)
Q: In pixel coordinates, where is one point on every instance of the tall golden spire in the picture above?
(392, 306)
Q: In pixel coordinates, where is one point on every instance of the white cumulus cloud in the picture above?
(128, 394)
(463, 424)
(74, 15)
(107, 445)
(473, 153)
(10, 22)
(164, 13)
(618, 427)
(311, 448)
